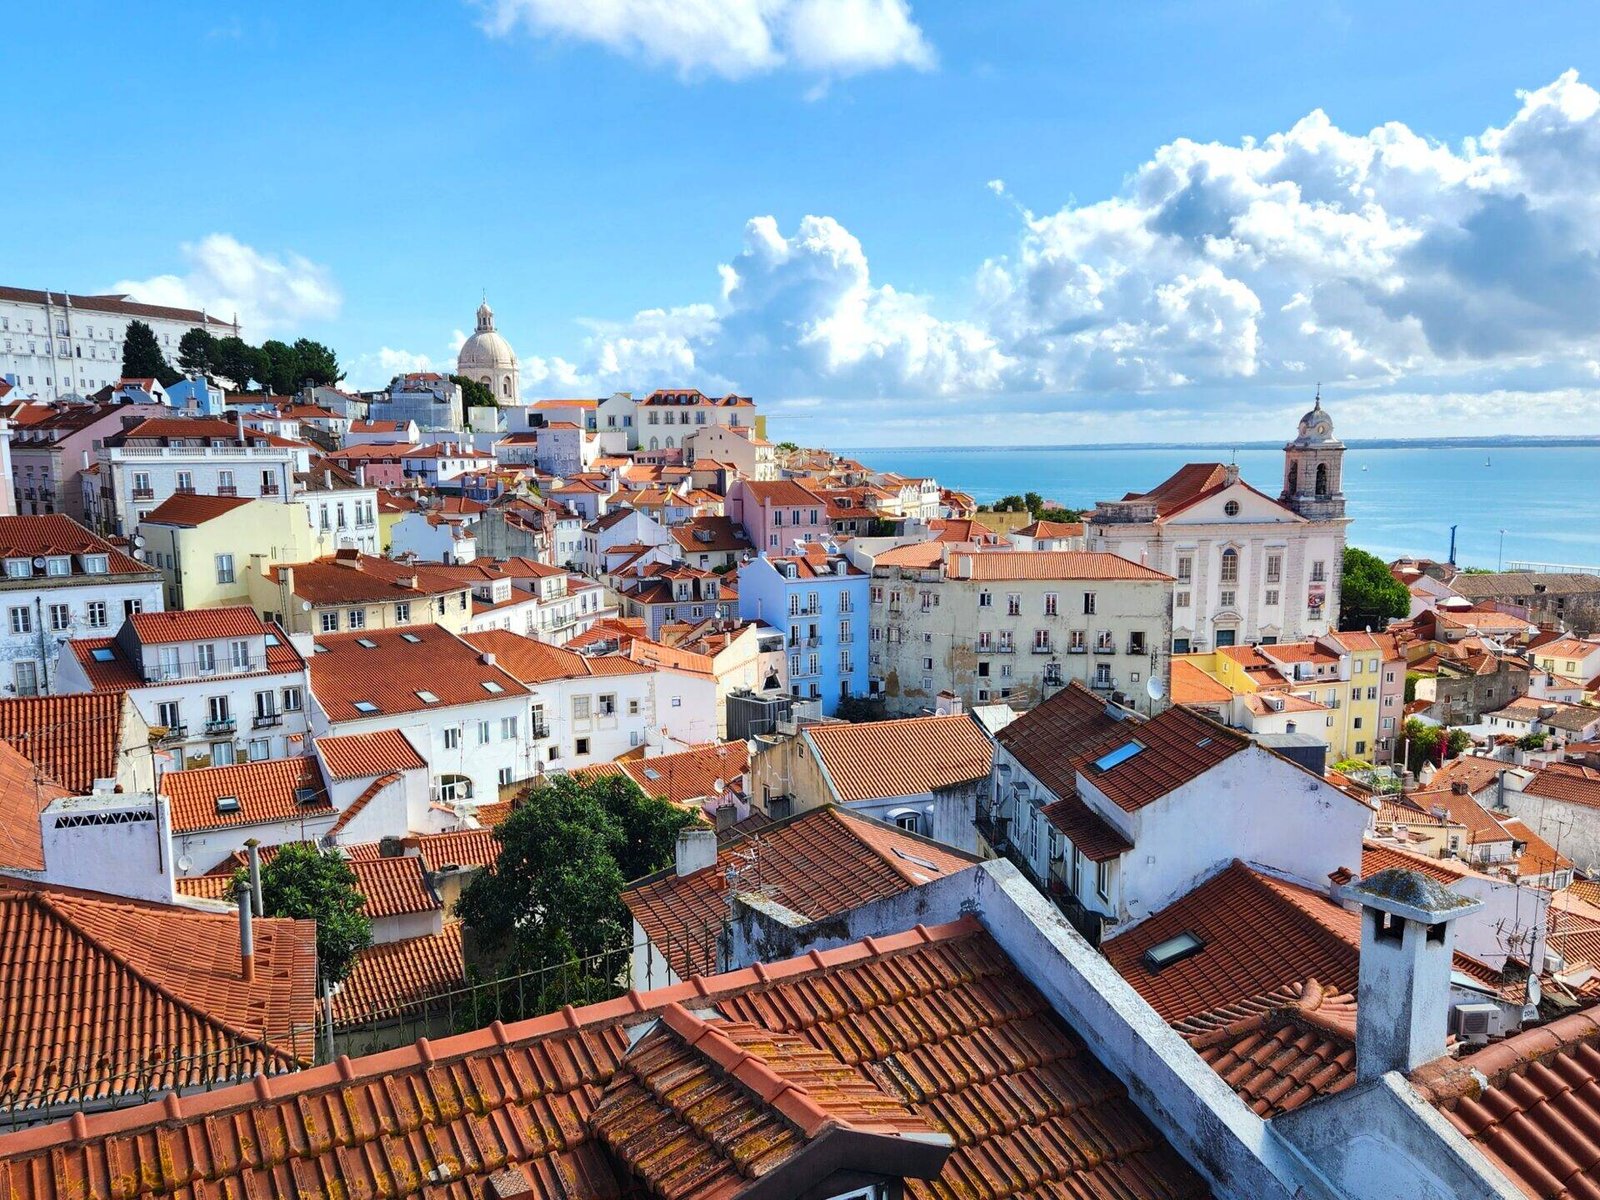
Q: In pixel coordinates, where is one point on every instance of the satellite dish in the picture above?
(137, 541)
(1155, 689)
(185, 863)
(305, 606)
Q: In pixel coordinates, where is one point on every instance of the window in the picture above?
(21, 621)
(1050, 604)
(141, 486)
(60, 617)
(205, 656)
(1231, 508)
(1271, 598)
(1230, 566)
(330, 622)
(909, 821)
(1013, 604)
(239, 655)
(25, 675)
(186, 481)
(1181, 600)
(402, 611)
(358, 618)
(505, 777)
(483, 733)
(19, 568)
(264, 706)
(224, 568)
(1077, 642)
(169, 715)
(217, 710)
(1088, 604)
(1136, 642)
(508, 729)
(1227, 599)
(1319, 572)
(1102, 870)
(580, 745)
(1274, 568)
(291, 699)
(608, 706)
(580, 708)
(452, 737)
(58, 566)
(1372, 693)
(985, 598)
(1041, 641)
(129, 607)
(1185, 567)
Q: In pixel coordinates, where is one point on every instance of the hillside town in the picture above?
(431, 791)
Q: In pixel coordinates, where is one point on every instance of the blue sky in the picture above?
(1030, 221)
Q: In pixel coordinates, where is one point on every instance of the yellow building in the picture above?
(391, 510)
(352, 591)
(204, 546)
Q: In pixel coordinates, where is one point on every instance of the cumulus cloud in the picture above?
(730, 38)
(374, 369)
(272, 294)
(1382, 262)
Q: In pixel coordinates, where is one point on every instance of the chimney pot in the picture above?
(696, 850)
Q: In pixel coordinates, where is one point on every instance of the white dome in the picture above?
(485, 352)
(1316, 425)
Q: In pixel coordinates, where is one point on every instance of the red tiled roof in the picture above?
(1179, 746)
(903, 757)
(199, 624)
(1530, 1104)
(393, 886)
(25, 792)
(1046, 739)
(1181, 489)
(368, 755)
(461, 847)
(1191, 685)
(395, 979)
(1567, 782)
(192, 509)
(118, 304)
(975, 1051)
(132, 997)
(530, 661)
(56, 534)
(389, 667)
(1375, 857)
(266, 791)
(75, 739)
(1051, 529)
(364, 579)
(1279, 1059)
(1260, 934)
(683, 778)
(819, 864)
(786, 493)
(1089, 833)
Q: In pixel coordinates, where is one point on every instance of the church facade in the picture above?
(1247, 567)
(487, 357)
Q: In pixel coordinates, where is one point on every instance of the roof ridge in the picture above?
(41, 899)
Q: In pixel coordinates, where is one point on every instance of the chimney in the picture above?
(948, 704)
(697, 850)
(487, 658)
(390, 847)
(247, 933)
(1403, 998)
(252, 849)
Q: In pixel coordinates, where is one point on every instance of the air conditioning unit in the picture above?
(1475, 1024)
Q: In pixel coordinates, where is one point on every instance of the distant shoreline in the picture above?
(1505, 441)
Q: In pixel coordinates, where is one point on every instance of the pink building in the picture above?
(777, 515)
(48, 457)
(375, 465)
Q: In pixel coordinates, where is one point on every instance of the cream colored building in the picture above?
(739, 446)
(487, 357)
(203, 545)
(351, 592)
(1015, 626)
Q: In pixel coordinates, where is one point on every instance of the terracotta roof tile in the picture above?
(972, 1049)
(365, 579)
(391, 668)
(1089, 833)
(1191, 685)
(1074, 721)
(199, 624)
(266, 791)
(75, 739)
(1296, 1051)
(190, 510)
(368, 755)
(25, 792)
(1377, 857)
(57, 534)
(903, 757)
(819, 864)
(394, 886)
(120, 991)
(1567, 782)
(397, 979)
(1178, 746)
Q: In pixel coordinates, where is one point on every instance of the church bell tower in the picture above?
(1313, 468)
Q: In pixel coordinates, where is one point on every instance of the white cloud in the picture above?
(730, 38)
(1219, 275)
(377, 368)
(271, 294)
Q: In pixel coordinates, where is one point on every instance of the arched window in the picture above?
(655, 443)
(1294, 478)
(505, 386)
(1230, 566)
(1322, 479)
(669, 444)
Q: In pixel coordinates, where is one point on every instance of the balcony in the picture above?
(1004, 648)
(144, 493)
(539, 731)
(174, 733)
(1137, 649)
(1077, 648)
(1101, 685)
(813, 642)
(184, 489)
(1046, 648)
(267, 720)
(223, 725)
(270, 489)
(1105, 648)
(992, 828)
(847, 639)
(227, 489)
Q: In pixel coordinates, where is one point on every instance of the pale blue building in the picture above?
(819, 600)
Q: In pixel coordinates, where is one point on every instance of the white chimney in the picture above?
(1403, 998)
(697, 849)
(947, 704)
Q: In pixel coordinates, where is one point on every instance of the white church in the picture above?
(487, 357)
(1248, 568)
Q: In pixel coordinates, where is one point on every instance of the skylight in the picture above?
(103, 654)
(427, 697)
(490, 685)
(652, 774)
(365, 706)
(227, 804)
(366, 643)
(1174, 950)
(409, 637)
(1115, 758)
(272, 640)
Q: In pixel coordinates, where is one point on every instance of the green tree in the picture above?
(787, 447)
(279, 373)
(142, 357)
(310, 884)
(316, 364)
(1412, 679)
(237, 361)
(197, 351)
(1064, 515)
(1369, 597)
(473, 393)
(649, 825)
(1425, 743)
(1533, 741)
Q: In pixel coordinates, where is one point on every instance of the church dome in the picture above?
(485, 350)
(1316, 425)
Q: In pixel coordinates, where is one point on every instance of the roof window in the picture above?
(364, 706)
(1115, 758)
(427, 697)
(410, 637)
(366, 643)
(491, 686)
(306, 795)
(1174, 950)
(227, 804)
(103, 654)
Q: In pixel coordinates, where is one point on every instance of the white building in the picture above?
(1248, 568)
(487, 357)
(466, 715)
(59, 345)
(61, 581)
(215, 685)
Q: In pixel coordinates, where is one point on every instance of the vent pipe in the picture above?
(252, 850)
(247, 933)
